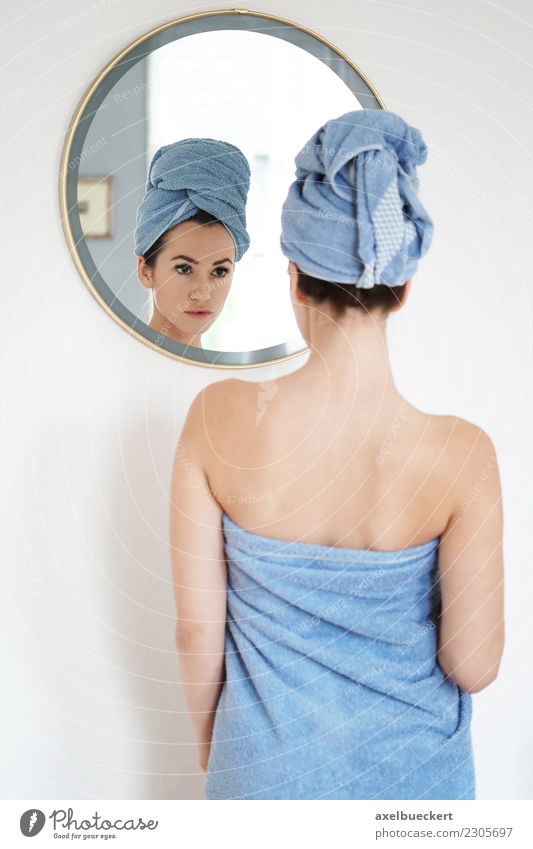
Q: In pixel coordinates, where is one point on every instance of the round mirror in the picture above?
(251, 80)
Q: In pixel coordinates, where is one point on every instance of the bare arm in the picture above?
(471, 627)
(199, 578)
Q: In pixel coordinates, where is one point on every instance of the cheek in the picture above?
(221, 289)
(168, 282)
(161, 276)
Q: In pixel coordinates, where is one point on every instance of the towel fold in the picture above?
(353, 214)
(332, 688)
(189, 175)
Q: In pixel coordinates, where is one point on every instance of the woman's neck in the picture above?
(350, 355)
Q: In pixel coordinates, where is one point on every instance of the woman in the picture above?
(337, 552)
(191, 230)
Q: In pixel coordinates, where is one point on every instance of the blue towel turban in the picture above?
(189, 175)
(353, 214)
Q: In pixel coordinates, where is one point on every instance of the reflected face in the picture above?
(190, 279)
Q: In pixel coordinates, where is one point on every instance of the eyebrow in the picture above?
(195, 261)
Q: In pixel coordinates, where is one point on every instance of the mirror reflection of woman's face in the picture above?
(190, 279)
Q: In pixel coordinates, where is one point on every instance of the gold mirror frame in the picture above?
(225, 358)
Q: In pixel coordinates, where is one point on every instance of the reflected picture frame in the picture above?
(95, 202)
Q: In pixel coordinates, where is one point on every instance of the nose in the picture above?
(201, 292)
(198, 296)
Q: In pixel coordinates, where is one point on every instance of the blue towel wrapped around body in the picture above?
(332, 687)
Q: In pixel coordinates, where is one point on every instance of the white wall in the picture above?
(92, 706)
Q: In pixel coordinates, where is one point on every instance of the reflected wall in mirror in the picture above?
(255, 81)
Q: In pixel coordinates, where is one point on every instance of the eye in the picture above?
(183, 269)
(223, 271)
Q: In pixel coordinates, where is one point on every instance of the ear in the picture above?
(296, 294)
(405, 294)
(144, 273)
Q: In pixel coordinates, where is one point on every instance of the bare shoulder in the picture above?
(214, 410)
(469, 441)
(454, 433)
(216, 396)
(224, 397)
(228, 400)
(470, 457)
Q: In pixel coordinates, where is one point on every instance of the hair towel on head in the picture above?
(353, 214)
(189, 175)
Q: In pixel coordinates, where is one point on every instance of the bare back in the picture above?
(291, 459)
(284, 461)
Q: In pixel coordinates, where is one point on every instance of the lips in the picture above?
(198, 313)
